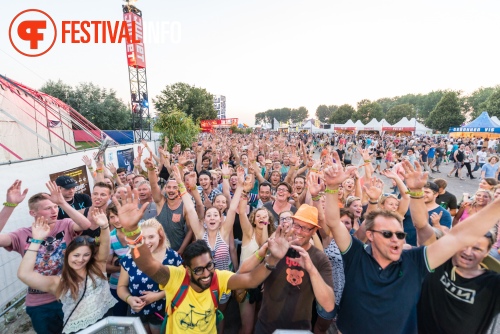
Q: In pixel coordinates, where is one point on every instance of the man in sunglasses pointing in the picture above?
(383, 282)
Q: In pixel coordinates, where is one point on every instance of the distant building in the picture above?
(220, 106)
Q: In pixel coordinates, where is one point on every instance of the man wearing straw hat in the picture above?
(303, 275)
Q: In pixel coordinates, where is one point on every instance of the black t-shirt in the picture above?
(423, 156)
(80, 202)
(462, 305)
(447, 198)
(341, 153)
(380, 154)
(440, 152)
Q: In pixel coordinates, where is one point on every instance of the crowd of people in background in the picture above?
(325, 232)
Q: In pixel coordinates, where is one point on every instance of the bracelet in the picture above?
(316, 198)
(374, 202)
(132, 233)
(90, 168)
(36, 241)
(367, 161)
(416, 197)
(226, 177)
(9, 204)
(331, 191)
(103, 228)
(180, 165)
(99, 171)
(32, 250)
(253, 161)
(136, 241)
(260, 258)
(315, 170)
(126, 299)
(151, 169)
(415, 193)
(270, 267)
(137, 166)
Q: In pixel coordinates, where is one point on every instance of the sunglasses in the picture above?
(48, 243)
(388, 234)
(200, 270)
(81, 239)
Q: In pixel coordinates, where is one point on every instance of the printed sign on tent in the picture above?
(80, 176)
(126, 159)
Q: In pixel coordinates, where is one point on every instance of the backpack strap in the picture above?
(214, 290)
(181, 293)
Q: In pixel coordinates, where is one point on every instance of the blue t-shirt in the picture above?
(386, 298)
(408, 227)
(489, 170)
(431, 152)
(139, 282)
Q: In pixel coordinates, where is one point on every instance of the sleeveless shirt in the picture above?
(220, 253)
(174, 224)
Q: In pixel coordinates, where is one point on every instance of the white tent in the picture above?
(496, 120)
(373, 125)
(314, 129)
(420, 128)
(359, 125)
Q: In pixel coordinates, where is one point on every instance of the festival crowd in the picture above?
(363, 239)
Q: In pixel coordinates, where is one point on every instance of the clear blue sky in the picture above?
(271, 54)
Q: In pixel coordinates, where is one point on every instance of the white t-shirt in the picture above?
(481, 156)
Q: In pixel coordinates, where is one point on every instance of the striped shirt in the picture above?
(120, 251)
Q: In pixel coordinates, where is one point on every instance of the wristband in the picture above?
(132, 233)
(226, 177)
(9, 204)
(331, 191)
(270, 267)
(374, 202)
(137, 166)
(99, 171)
(314, 170)
(36, 241)
(260, 258)
(367, 161)
(90, 168)
(316, 198)
(416, 197)
(151, 169)
(414, 194)
(103, 228)
(126, 299)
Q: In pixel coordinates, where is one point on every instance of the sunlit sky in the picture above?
(271, 54)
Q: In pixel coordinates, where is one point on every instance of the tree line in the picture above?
(438, 110)
(282, 115)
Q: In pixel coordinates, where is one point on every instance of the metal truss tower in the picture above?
(141, 118)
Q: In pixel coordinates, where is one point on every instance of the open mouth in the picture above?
(395, 249)
(205, 280)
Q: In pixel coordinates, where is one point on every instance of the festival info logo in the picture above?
(32, 32)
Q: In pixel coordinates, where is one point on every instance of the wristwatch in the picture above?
(270, 267)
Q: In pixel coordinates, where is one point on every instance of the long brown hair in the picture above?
(69, 278)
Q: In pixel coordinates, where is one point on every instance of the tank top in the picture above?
(174, 224)
(248, 250)
(94, 305)
(150, 211)
(220, 253)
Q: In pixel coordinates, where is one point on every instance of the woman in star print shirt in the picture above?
(145, 298)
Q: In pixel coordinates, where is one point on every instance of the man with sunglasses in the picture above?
(392, 278)
(43, 308)
(197, 312)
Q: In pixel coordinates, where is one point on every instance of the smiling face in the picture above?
(347, 221)
(79, 258)
(212, 219)
(144, 192)
(100, 197)
(429, 196)
(171, 190)
(303, 232)
(282, 193)
(261, 219)
(205, 182)
(114, 220)
(151, 238)
(203, 280)
(356, 208)
(391, 204)
(121, 193)
(299, 184)
(348, 185)
(482, 198)
(265, 193)
(220, 202)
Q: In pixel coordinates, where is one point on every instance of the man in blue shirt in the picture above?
(383, 282)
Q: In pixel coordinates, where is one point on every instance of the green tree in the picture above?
(386, 103)
(298, 115)
(178, 127)
(261, 118)
(342, 115)
(368, 110)
(493, 103)
(100, 106)
(323, 113)
(446, 114)
(476, 101)
(399, 111)
(195, 102)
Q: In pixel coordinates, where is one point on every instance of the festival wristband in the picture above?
(331, 191)
(316, 198)
(9, 204)
(415, 194)
(260, 258)
(132, 233)
(36, 241)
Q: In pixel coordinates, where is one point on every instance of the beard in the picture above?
(198, 283)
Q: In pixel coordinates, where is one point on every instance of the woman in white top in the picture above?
(82, 287)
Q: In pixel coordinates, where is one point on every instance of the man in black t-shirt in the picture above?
(77, 201)
(446, 199)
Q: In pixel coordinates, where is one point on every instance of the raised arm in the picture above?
(26, 272)
(88, 162)
(404, 202)
(314, 185)
(333, 178)
(153, 180)
(82, 223)
(130, 215)
(100, 218)
(227, 227)
(199, 158)
(416, 180)
(14, 197)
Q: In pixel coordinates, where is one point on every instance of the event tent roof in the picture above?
(482, 126)
(420, 127)
(483, 121)
(359, 125)
(496, 120)
(373, 125)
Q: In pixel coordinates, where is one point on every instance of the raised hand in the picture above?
(335, 175)
(148, 162)
(251, 155)
(241, 175)
(293, 160)
(249, 183)
(182, 159)
(177, 174)
(303, 260)
(14, 194)
(100, 218)
(374, 188)
(139, 151)
(278, 246)
(414, 177)
(129, 212)
(112, 168)
(87, 161)
(40, 228)
(55, 193)
(191, 181)
(436, 218)
(99, 162)
(389, 174)
(314, 184)
(137, 161)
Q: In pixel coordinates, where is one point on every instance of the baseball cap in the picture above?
(66, 182)
(432, 186)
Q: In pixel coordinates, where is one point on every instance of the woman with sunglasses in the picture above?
(481, 199)
(256, 230)
(139, 291)
(82, 288)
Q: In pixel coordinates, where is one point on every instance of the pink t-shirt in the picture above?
(50, 257)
